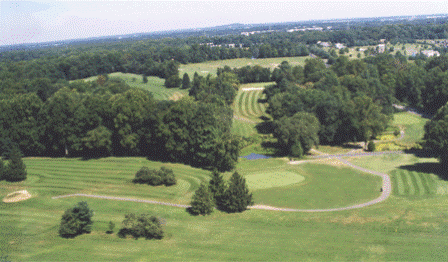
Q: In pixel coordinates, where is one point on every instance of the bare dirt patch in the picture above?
(17, 196)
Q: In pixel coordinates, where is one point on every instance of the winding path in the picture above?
(386, 188)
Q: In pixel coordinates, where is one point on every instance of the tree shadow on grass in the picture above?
(421, 153)
(265, 128)
(434, 168)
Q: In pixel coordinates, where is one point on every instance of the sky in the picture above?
(46, 20)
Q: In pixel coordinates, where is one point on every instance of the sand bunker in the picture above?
(17, 196)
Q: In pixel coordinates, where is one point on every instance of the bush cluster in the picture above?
(141, 225)
(153, 177)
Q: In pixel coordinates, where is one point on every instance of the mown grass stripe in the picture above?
(246, 104)
(417, 189)
(400, 184)
(394, 182)
(419, 182)
(424, 179)
(252, 104)
(257, 107)
(260, 105)
(406, 183)
(237, 103)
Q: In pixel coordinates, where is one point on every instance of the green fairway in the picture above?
(155, 85)
(210, 67)
(400, 228)
(272, 179)
(412, 124)
(249, 108)
(324, 187)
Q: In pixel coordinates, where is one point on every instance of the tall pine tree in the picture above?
(236, 196)
(217, 187)
(202, 203)
(185, 81)
(16, 170)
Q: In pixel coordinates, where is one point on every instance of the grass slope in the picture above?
(412, 124)
(155, 85)
(249, 107)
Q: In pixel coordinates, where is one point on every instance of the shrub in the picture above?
(155, 178)
(167, 176)
(16, 170)
(202, 202)
(371, 146)
(76, 220)
(142, 225)
(111, 227)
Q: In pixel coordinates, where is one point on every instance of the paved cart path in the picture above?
(386, 188)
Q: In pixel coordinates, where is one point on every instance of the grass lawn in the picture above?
(210, 67)
(412, 124)
(155, 85)
(324, 187)
(400, 228)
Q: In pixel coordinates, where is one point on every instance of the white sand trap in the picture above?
(17, 196)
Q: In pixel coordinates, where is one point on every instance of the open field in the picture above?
(32, 225)
(155, 85)
(211, 67)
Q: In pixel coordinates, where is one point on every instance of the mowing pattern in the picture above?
(411, 183)
(248, 106)
(248, 109)
(112, 176)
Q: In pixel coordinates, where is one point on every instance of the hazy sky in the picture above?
(45, 20)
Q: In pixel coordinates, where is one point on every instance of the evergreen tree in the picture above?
(16, 170)
(202, 202)
(185, 81)
(76, 220)
(237, 196)
(217, 187)
(2, 169)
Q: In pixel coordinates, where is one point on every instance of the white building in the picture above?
(430, 53)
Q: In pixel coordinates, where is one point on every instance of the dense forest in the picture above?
(331, 102)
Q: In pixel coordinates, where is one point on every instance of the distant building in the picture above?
(430, 53)
(381, 48)
(382, 40)
(325, 44)
(339, 45)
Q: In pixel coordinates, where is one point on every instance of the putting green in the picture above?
(272, 179)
